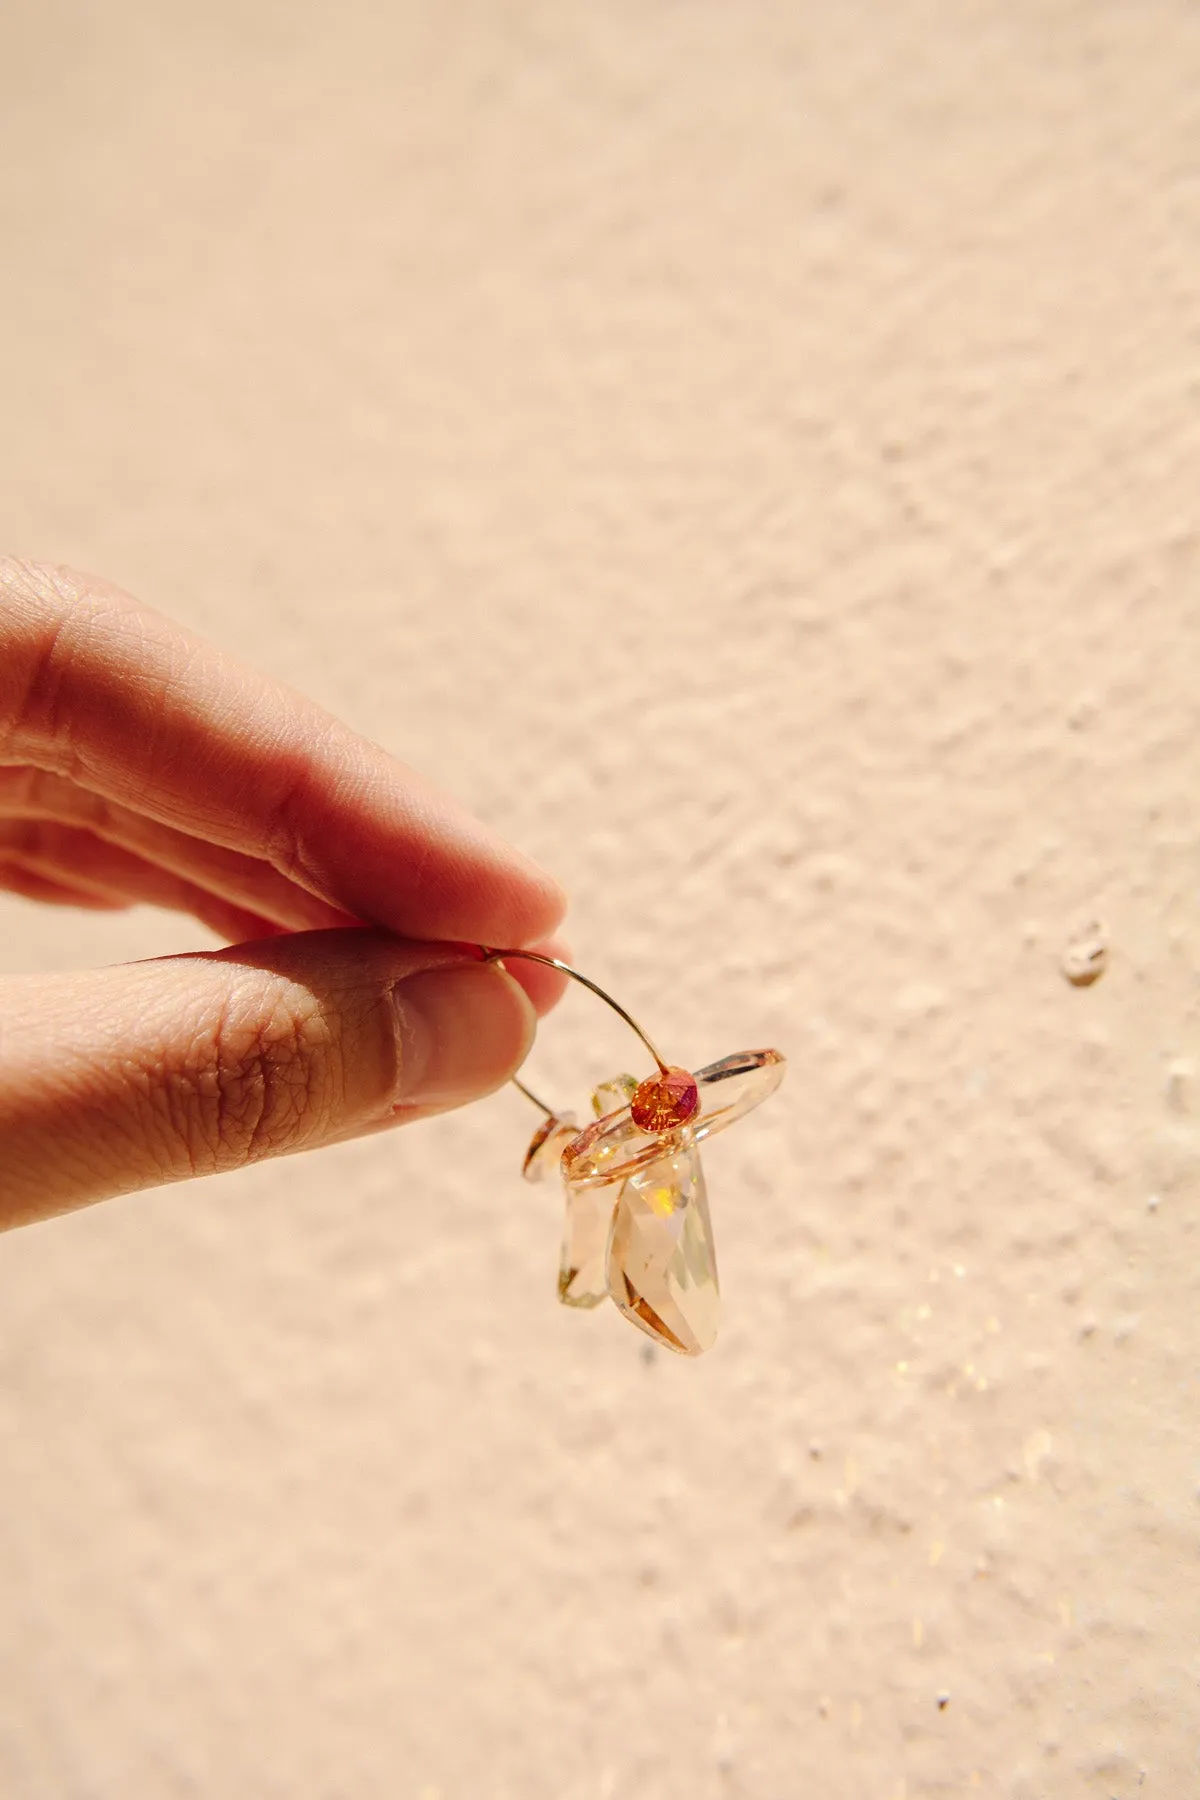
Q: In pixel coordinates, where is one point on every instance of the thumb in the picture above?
(125, 1077)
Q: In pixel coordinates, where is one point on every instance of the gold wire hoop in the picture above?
(552, 962)
(530, 1095)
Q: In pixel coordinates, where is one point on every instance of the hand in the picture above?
(137, 763)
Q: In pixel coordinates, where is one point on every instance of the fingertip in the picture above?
(531, 910)
(463, 1031)
(554, 899)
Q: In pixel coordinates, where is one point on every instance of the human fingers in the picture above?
(43, 860)
(27, 793)
(31, 886)
(108, 875)
(125, 1077)
(134, 708)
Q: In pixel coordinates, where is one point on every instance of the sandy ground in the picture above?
(750, 453)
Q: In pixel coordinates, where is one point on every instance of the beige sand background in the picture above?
(750, 452)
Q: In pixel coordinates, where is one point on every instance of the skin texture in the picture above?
(140, 764)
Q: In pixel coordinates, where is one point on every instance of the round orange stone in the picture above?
(664, 1102)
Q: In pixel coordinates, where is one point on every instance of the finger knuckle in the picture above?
(263, 1078)
(50, 613)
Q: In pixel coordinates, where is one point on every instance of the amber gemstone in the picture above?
(664, 1101)
(612, 1149)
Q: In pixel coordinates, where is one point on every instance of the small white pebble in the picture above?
(1178, 1086)
(1085, 956)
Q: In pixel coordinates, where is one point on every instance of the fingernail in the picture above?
(463, 1031)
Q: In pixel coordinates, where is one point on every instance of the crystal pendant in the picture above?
(547, 1145)
(612, 1096)
(615, 1147)
(662, 1269)
(582, 1280)
(583, 1264)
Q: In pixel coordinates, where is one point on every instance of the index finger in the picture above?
(136, 708)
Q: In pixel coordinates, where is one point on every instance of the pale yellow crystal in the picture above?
(612, 1096)
(582, 1267)
(662, 1269)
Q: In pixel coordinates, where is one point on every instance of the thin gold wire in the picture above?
(530, 1095)
(552, 962)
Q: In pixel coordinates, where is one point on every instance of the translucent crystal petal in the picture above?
(614, 1148)
(662, 1269)
(612, 1096)
(547, 1145)
(583, 1264)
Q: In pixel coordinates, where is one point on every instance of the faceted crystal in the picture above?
(662, 1270)
(582, 1266)
(613, 1096)
(665, 1100)
(615, 1147)
(547, 1145)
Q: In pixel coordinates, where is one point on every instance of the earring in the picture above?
(637, 1227)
